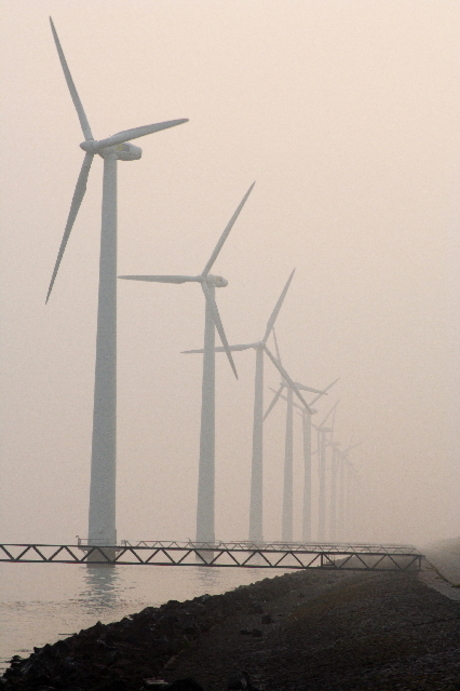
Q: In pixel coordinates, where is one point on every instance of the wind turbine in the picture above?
(335, 460)
(256, 497)
(323, 432)
(344, 488)
(306, 436)
(338, 458)
(287, 521)
(102, 528)
(206, 471)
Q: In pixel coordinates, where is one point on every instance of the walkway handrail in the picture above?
(242, 555)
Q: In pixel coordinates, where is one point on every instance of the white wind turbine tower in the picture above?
(256, 496)
(206, 471)
(343, 507)
(335, 460)
(323, 432)
(338, 460)
(335, 457)
(306, 415)
(287, 525)
(102, 515)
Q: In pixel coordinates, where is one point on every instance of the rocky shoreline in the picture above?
(312, 630)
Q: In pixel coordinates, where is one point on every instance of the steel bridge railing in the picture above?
(332, 547)
(242, 555)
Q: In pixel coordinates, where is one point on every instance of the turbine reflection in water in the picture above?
(103, 589)
(208, 578)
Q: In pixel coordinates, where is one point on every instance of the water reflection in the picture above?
(102, 588)
(209, 579)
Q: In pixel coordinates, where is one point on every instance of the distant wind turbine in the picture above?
(323, 432)
(338, 460)
(102, 518)
(335, 460)
(345, 466)
(256, 497)
(306, 415)
(287, 525)
(206, 472)
(288, 485)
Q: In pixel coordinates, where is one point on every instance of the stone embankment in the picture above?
(313, 630)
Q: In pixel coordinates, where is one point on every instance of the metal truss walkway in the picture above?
(275, 555)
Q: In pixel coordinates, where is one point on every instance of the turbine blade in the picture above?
(161, 279)
(134, 133)
(238, 346)
(296, 405)
(333, 419)
(277, 350)
(78, 195)
(302, 387)
(329, 413)
(324, 391)
(274, 401)
(221, 349)
(277, 308)
(218, 323)
(286, 376)
(224, 235)
(73, 91)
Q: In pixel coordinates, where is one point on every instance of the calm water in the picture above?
(41, 603)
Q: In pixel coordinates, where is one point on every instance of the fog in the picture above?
(346, 114)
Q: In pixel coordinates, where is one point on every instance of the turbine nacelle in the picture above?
(216, 281)
(124, 151)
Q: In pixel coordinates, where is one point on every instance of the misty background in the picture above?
(347, 116)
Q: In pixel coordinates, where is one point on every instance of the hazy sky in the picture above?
(346, 113)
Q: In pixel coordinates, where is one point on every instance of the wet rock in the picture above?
(242, 681)
(347, 632)
(154, 684)
(256, 633)
(186, 684)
